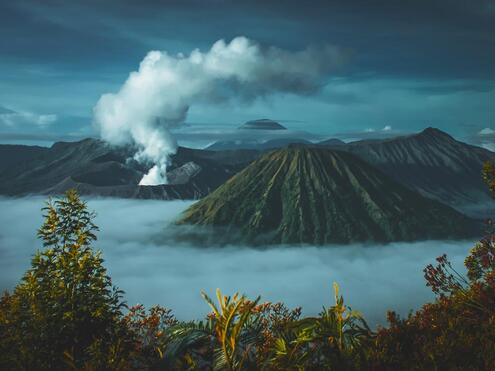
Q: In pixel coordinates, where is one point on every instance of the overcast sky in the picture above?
(408, 65)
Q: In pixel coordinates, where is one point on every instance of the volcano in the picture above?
(302, 195)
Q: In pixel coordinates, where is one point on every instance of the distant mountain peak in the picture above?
(434, 132)
(262, 124)
(433, 163)
(331, 142)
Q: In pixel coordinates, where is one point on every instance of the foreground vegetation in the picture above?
(65, 314)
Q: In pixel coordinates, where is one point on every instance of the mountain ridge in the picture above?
(432, 163)
(94, 167)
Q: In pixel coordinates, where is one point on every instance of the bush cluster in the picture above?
(65, 314)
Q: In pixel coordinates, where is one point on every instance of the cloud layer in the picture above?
(158, 96)
(11, 119)
(373, 278)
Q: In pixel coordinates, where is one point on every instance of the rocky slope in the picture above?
(433, 164)
(13, 154)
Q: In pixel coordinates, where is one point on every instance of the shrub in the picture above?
(65, 303)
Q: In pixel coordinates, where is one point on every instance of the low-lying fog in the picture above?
(372, 278)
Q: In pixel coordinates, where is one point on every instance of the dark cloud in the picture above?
(455, 87)
(342, 98)
(4, 110)
(447, 38)
(59, 57)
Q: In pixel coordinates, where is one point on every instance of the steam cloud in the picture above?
(373, 279)
(158, 96)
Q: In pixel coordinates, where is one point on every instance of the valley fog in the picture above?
(373, 278)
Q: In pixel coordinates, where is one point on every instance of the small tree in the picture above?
(335, 340)
(225, 341)
(65, 306)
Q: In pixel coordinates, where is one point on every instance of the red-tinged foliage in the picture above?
(274, 320)
(446, 335)
(456, 331)
(148, 331)
(66, 314)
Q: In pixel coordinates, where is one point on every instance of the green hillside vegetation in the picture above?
(319, 196)
(65, 314)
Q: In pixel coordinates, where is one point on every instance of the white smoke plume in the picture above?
(158, 96)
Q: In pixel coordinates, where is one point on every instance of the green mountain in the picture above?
(320, 196)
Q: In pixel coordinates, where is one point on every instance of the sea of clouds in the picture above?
(133, 238)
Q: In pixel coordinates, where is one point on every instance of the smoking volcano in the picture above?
(158, 96)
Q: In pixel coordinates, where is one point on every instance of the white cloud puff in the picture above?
(486, 131)
(17, 119)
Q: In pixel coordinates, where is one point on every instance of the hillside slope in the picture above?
(432, 163)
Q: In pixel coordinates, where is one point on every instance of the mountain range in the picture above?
(96, 168)
(431, 163)
(434, 164)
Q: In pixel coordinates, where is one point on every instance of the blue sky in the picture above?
(410, 64)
